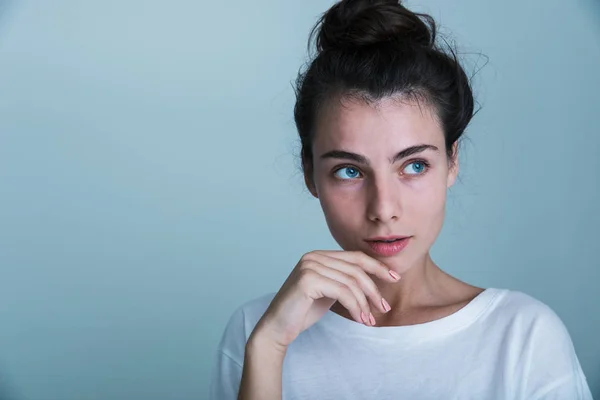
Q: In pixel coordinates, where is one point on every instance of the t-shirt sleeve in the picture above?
(552, 368)
(573, 386)
(229, 360)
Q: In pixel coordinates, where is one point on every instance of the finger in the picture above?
(357, 273)
(318, 286)
(347, 280)
(369, 264)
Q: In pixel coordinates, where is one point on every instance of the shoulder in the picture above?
(521, 308)
(240, 325)
(529, 327)
(536, 337)
(248, 314)
(525, 318)
(229, 357)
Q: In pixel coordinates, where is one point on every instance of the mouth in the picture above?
(388, 246)
(386, 239)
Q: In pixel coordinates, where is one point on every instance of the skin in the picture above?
(382, 193)
(406, 197)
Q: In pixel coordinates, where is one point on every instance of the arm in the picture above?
(252, 369)
(262, 371)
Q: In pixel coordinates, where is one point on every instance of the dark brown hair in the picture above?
(371, 49)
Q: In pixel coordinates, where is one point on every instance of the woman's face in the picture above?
(368, 188)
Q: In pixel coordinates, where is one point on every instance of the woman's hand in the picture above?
(319, 280)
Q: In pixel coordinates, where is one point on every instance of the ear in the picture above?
(309, 181)
(453, 166)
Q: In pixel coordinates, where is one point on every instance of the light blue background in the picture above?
(149, 179)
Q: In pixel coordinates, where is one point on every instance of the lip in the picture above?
(385, 238)
(388, 249)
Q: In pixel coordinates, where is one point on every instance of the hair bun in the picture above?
(356, 23)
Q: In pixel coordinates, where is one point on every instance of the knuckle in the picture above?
(361, 277)
(357, 270)
(310, 264)
(377, 295)
(371, 286)
(346, 291)
(354, 282)
(356, 303)
(307, 256)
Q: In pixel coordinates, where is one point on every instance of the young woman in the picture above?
(380, 111)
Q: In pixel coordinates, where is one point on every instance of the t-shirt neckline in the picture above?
(461, 318)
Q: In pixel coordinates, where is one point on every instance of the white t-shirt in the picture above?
(502, 345)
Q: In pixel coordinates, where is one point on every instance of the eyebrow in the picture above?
(360, 159)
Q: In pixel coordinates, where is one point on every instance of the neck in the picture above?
(423, 287)
(419, 286)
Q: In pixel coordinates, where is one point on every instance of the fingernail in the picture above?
(363, 317)
(372, 319)
(394, 275)
(386, 306)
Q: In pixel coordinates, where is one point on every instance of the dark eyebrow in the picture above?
(360, 159)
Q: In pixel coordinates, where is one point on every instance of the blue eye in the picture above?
(352, 172)
(415, 168)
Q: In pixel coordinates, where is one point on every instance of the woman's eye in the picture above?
(415, 168)
(350, 173)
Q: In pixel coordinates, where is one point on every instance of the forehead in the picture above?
(392, 123)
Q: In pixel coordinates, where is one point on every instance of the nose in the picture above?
(384, 200)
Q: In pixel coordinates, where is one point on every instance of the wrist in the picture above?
(260, 342)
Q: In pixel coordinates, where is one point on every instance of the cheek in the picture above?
(343, 209)
(427, 205)
(433, 217)
(340, 203)
(433, 198)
